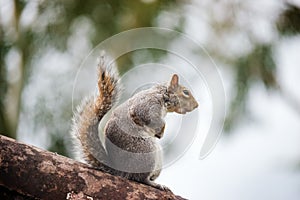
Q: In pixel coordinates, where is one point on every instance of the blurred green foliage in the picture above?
(288, 23)
(258, 66)
(3, 87)
(53, 26)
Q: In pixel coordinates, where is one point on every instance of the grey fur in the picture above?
(131, 149)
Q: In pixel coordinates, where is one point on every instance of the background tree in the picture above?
(35, 91)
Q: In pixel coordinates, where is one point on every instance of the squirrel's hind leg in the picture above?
(156, 185)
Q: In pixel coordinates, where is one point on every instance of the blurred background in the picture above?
(255, 44)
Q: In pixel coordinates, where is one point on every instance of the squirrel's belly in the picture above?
(131, 154)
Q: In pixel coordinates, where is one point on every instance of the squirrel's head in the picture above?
(179, 98)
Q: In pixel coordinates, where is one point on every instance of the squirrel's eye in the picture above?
(186, 92)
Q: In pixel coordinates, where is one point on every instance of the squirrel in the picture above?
(128, 146)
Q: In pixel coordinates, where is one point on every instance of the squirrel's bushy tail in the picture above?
(89, 114)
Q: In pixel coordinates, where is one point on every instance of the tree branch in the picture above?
(34, 173)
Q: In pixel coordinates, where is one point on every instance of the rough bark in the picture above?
(29, 172)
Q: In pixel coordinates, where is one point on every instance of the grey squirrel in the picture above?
(128, 147)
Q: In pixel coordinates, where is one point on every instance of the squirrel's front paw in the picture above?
(160, 132)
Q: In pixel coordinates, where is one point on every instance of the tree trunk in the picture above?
(27, 172)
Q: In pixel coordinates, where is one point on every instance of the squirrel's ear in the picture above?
(174, 81)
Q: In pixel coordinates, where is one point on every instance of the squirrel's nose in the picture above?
(196, 105)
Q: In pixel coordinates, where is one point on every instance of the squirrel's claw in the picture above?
(164, 188)
(158, 186)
